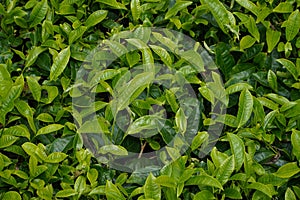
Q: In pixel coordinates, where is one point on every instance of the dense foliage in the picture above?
(44, 44)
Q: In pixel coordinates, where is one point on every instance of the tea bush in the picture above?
(48, 116)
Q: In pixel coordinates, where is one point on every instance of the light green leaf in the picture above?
(292, 25)
(288, 170)
(49, 129)
(45, 117)
(289, 195)
(284, 7)
(176, 8)
(199, 139)
(18, 130)
(76, 34)
(238, 149)
(56, 157)
(38, 13)
(296, 143)
(7, 140)
(252, 28)
(151, 188)
(181, 120)
(290, 66)
(33, 55)
(34, 87)
(123, 99)
(166, 181)
(249, 5)
(163, 54)
(237, 87)
(246, 42)
(266, 189)
(245, 107)
(95, 18)
(273, 38)
(223, 17)
(59, 64)
(80, 184)
(25, 110)
(11, 195)
(272, 80)
(112, 192)
(113, 149)
(204, 180)
(135, 9)
(204, 194)
(113, 4)
(66, 193)
(224, 172)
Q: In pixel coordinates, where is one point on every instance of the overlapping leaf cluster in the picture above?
(256, 46)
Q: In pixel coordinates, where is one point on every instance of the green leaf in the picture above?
(18, 130)
(112, 192)
(49, 129)
(163, 54)
(7, 140)
(289, 195)
(113, 4)
(266, 189)
(45, 117)
(223, 17)
(33, 55)
(238, 149)
(181, 120)
(80, 184)
(199, 139)
(245, 107)
(166, 181)
(233, 193)
(296, 143)
(25, 110)
(205, 194)
(204, 180)
(75, 35)
(34, 87)
(135, 9)
(272, 80)
(292, 25)
(56, 157)
(273, 37)
(123, 99)
(224, 172)
(171, 98)
(249, 5)
(284, 7)
(246, 42)
(66, 193)
(290, 66)
(38, 13)
(151, 188)
(237, 87)
(252, 28)
(95, 18)
(11, 195)
(59, 64)
(113, 149)
(178, 6)
(46, 192)
(288, 170)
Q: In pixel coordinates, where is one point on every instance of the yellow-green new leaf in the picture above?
(176, 8)
(245, 107)
(60, 63)
(238, 149)
(292, 25)
(288, 170)
(49, 129)
(273, 38)
(151, 189)
(290, 66)
(135, 9)
(296, 143)
(95, 18)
